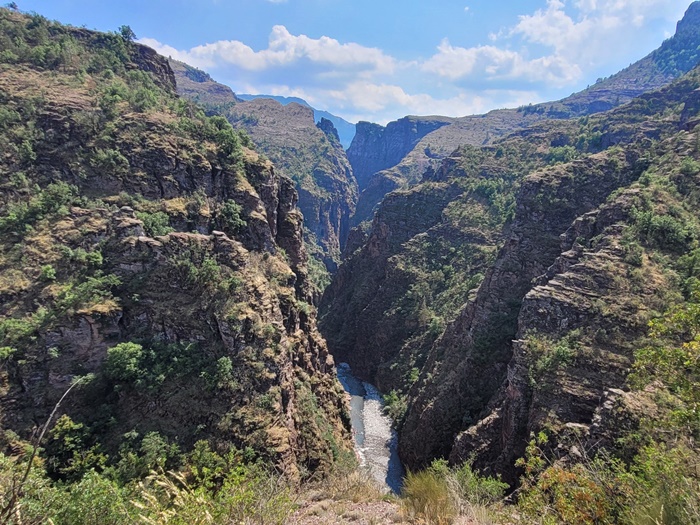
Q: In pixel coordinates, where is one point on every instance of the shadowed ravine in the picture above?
(375, 440)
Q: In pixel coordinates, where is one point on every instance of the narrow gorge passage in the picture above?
(376, 442)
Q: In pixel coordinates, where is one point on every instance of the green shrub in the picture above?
(545, 355)
(663, 231)
(231, 217)
(123, 362)
(427, 496)
(477, 489)
(155, 224)
(47, 273)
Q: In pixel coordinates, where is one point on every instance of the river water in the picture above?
(376, 441)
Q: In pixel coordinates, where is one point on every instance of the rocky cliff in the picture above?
(310, 155)
(546, 306)
(148, 247)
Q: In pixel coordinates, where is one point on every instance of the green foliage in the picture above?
(218, 490)
(560, 154)
(68, 456)
(545, 356)
(149, 365)
(689, 167)
(109, 162)
(663, 231)
(224, 373)
(136, 461)
(14, 331)
(47, 273)
(123, 362)
(440, 493)
(395, 406)
(53, 200)
(127, 33)
(231, 217)
(658, 487)
(89, 294)
(673, 357)
(155, 224)
(426, 496)
(478, 489)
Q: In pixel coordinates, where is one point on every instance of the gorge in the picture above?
(508, 299)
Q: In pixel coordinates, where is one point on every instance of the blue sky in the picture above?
(379, 60)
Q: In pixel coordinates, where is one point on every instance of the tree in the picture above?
(127, 33)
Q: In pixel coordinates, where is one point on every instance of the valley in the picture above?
(215, 310)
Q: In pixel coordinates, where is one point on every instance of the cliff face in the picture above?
(314, 159)
(520, 358)
(310, 155)
(376, 147)
(557, 249)
(196, 85)
(157, 253)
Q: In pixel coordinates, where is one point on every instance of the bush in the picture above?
(477, 489)
(123, 362)
(427, 496)
(231, 217)
(155, 224)
(439, 493)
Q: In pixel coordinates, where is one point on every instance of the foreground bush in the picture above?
(249, 494)
(439, 494)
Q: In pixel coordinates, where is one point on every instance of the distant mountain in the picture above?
(417, 151)
(197, 85)
(303, 144)
(346, 130)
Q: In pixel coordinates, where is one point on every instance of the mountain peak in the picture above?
(690, 23)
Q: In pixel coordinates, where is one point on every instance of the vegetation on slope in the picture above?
(149, 253)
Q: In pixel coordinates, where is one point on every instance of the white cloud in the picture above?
(283, 49)
(551, 48)
(587, 36)
(494, 63)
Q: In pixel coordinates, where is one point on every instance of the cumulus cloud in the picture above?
(555, 46)
(283, 49)
(495, 63)
(587, 34)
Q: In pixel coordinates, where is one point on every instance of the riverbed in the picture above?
(376, 441)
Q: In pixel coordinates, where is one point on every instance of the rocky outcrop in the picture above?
(194, 84)
(310, 155)
(314, 159)
(376, 147)
(171, 239)
(470, 359)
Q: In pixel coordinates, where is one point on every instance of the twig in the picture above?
(17, 489)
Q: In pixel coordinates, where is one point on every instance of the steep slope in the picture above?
(310, 154)
(346, 130)
(148, 247)
(198, 86)
(582, 230)
(676, 56)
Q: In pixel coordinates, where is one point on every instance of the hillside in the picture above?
(346, 130)
(309, 153)
(676, 56)
(149, 250)
(509, 293)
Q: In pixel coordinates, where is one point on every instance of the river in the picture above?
(376, 441)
